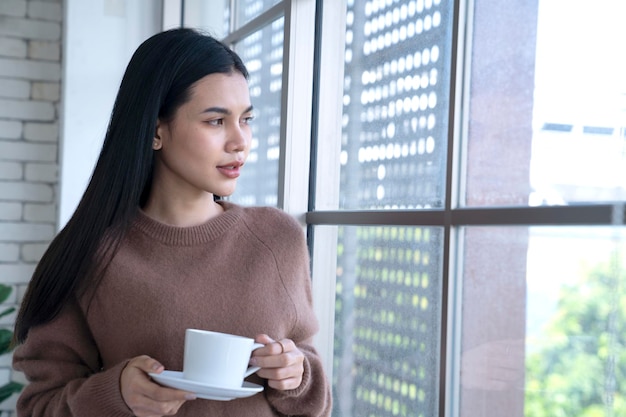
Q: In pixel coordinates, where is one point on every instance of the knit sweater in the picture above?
(243, 272)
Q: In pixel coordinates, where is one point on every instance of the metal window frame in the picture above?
(172, 14)
(325, 150)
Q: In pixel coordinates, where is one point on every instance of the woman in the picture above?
(151, 251)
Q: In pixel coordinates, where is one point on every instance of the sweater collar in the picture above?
(187, 236)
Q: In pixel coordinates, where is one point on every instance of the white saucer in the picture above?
(174, 379)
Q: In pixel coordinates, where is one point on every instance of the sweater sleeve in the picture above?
(61, 363)
(313, 397)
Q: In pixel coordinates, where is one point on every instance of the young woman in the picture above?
(151, 251)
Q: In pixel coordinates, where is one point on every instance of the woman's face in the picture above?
(202, 149)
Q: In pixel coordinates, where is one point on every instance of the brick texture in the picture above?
(30, 85)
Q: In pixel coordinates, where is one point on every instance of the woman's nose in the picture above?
(238, 139)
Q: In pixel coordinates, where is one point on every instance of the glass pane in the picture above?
(387, 323)
(263, 54)
(547, 108)
(249, 9)
(395, 104)
(211, 16)
(544, 313)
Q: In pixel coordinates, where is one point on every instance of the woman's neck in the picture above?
(182, 213)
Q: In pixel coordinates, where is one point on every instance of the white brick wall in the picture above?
(30, 77)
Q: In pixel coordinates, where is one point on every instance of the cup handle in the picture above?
(253, 369)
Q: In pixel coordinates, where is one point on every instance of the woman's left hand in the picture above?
(281, 362)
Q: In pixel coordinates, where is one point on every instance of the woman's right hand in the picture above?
(143, 396)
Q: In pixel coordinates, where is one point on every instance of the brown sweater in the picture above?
(244, 272)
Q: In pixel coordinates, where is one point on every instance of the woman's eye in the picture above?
(216, 122)
(247, 120)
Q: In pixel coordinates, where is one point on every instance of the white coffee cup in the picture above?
(218, 359)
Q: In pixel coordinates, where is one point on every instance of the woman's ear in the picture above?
(156, 141)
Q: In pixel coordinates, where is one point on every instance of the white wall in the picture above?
(30, 79)
(100, 37)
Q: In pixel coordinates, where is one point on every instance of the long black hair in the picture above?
(156, 83)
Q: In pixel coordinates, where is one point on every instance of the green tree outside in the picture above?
(580, 371)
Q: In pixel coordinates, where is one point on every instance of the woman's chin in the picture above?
(224, 193)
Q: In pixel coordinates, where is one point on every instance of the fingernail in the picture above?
(156, 366)
(253, 362)
(190, 396)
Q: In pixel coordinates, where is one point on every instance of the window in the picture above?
(465, 163)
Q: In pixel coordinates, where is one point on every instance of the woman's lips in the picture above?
(230, 171)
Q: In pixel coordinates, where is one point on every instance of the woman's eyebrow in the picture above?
(225, 111)
(216, 110)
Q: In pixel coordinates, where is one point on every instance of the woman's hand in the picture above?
(281, 362)
(143, 396)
